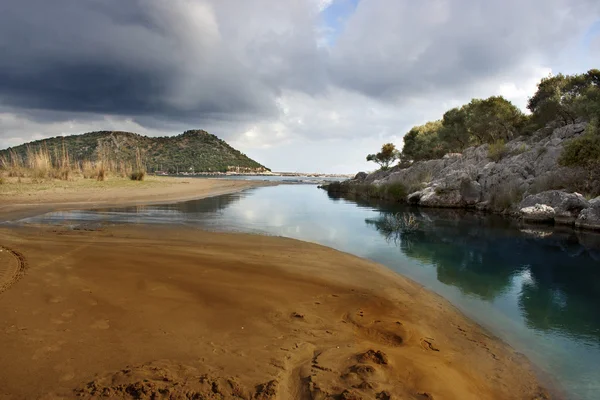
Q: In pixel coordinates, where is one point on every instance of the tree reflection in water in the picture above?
(556, 274)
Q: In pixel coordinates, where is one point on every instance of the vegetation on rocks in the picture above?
(192, 151)
(386, 156)
(559, 100)
(489, 156)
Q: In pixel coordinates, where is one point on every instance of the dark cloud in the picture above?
(263, 72)
(124, 58)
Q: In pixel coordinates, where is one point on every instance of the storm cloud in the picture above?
(268, 73)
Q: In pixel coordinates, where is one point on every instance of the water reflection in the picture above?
(207, 205)
(556, 275)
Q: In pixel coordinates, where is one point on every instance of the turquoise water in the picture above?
(537, 290)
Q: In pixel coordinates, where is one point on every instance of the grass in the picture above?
(504, 197)
(39, 164)
(497, 150)
(32, 187)
(137, 175)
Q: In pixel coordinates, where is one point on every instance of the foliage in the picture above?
(497, 150)
(479, 122)
(192, 151)
(137, 175)
(503, 197)
(566, 97)
(386, 156)
(423, 142)
(583, 151)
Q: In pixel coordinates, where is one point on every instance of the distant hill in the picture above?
(192, 151)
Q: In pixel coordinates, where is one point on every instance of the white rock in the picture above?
(538, 213)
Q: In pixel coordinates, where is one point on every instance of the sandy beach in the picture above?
(173, 312)
(19, 201)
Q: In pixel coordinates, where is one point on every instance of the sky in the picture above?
(298, 85)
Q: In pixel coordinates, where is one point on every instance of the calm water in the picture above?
(537, 290)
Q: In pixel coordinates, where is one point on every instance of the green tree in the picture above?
(493, 119)
(454, 131)
(386, 156)
(423, 142)
(554, 99)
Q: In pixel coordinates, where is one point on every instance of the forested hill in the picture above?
(192, 151)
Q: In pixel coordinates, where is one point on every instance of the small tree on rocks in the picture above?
(386, 156)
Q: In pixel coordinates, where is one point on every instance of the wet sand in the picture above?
(172, 312)
(23, 200)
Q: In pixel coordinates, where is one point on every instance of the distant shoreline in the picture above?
(291, 174)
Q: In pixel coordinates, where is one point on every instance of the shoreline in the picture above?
(327, 320)
(36, 199)
(22, 240)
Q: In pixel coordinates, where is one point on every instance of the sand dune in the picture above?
(171, 313)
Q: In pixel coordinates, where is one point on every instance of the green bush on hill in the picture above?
(561, 99)
(192, 151)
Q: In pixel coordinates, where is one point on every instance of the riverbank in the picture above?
(24, 199)
(526, 180)
(128, 311)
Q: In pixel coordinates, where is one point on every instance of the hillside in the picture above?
(192, 151)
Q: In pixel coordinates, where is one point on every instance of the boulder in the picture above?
(589, 218)
(567, 206)
(470, 191)
(361, 176)
(538, 213)
(415, 198)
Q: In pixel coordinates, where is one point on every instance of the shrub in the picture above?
(87, 170)
(1, 181)
(64, 173)
(101, 172)
(519, 150)
(395, 191)
(40, 163)
(497, 150)
(503, 197)
(583, 151)
(137, 175)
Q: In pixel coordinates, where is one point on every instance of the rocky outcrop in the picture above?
(589, 218)
(528, 175)
(566, 206)
(472, 179)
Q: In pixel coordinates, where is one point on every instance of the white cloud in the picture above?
(266, 76)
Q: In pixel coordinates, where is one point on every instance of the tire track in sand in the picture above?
(12, 267)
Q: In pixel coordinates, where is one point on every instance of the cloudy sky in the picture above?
(299, 85)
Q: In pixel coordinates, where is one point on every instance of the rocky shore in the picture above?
(524, 181)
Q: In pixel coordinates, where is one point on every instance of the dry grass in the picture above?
(38, 164)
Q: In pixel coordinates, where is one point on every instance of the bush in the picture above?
(64, 173)
(583, 151)
(137, 175)
(101, 172)
(503, 197)
(497, 150)
(395, 191)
